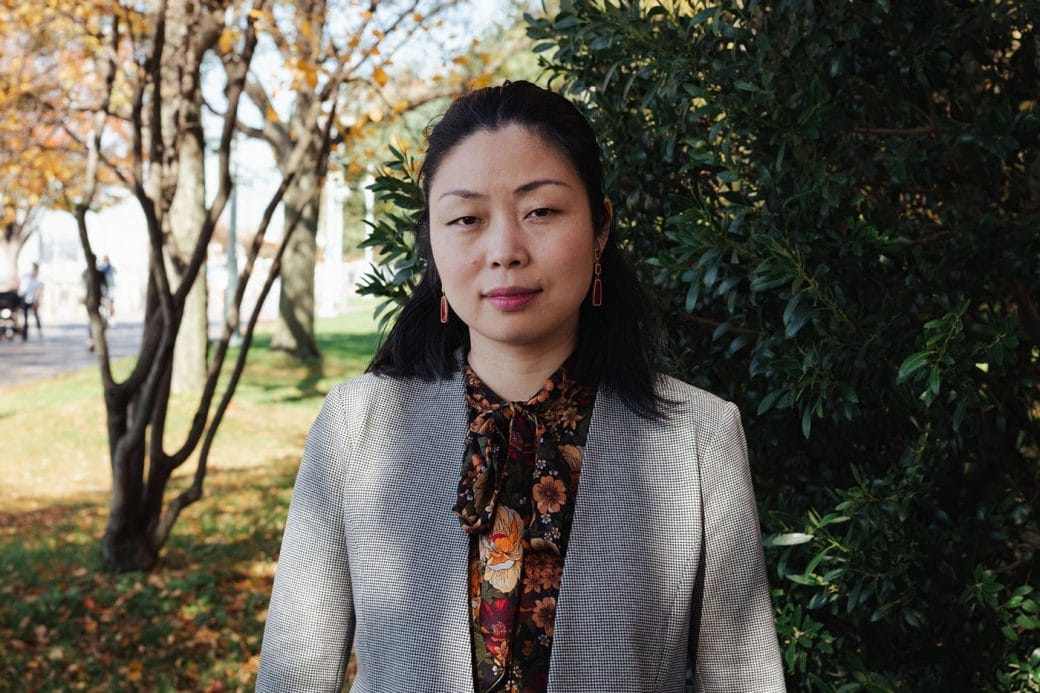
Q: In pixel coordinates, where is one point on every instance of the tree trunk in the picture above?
(125, 546)
(130, 541)
(186, 216)
(294, 331)
(9, 263)
(188, 207)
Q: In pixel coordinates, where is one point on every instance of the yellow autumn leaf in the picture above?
(272, 115)
(305, 30)
(379, 34)
(461, 60)
(379, 75)
(366, 15)
(353, 43)
(226, 41)
(374, 50)
(480, 81)
(400, 107)
(375, 115)
(417, 18)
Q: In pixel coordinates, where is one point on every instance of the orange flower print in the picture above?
(550, 575)
(572, 454)
(544, 544)
(545, 614)
(474, 586)
(501, 550)
(532, 570)
(550, 494)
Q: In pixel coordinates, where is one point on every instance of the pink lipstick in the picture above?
(509, 298)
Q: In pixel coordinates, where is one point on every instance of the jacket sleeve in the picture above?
(310, 621)
(733, 638)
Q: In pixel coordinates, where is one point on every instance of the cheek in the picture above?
(452, 260)
(575, 256)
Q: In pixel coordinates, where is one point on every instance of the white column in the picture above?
(328, 275)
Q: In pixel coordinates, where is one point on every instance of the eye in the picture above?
(541, 213)
(463, 221)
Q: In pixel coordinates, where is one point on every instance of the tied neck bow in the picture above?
(525, 451)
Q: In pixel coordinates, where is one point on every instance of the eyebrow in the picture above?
(522, 190)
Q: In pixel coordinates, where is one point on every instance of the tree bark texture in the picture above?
(186, 217)
(182, 113)
(294, 331)
(9, 263)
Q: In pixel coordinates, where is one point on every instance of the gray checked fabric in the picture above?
(665, 559)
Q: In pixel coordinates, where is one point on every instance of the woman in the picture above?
(512, 499)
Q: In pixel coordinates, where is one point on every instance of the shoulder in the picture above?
(371, 387)
(688, 398)
(371, 396)
(691, 418)
(689, 406)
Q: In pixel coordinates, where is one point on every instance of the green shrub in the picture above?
(840, 203)
(839, 206)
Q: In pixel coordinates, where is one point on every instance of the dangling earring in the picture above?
(444, 308)
(597, 285)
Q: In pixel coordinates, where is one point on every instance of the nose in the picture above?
(507, 244)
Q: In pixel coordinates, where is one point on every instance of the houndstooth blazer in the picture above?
(664, 561)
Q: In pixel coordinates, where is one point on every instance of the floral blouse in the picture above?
(516, 498)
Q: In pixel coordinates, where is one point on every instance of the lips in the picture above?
(508, 298)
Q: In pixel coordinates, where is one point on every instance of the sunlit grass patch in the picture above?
(196, 622)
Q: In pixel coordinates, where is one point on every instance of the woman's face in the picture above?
(513, 240)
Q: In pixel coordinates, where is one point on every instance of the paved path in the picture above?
(61, 348)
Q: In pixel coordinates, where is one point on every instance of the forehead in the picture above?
(503, 158)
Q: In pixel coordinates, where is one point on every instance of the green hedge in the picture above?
(839, 206)
(840, 203)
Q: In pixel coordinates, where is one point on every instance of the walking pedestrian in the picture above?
(30, 293)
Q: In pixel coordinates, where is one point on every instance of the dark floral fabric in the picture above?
(516, 498)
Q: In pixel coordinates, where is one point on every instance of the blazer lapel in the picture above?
(438, 457)
(412, 586)
(629, 544)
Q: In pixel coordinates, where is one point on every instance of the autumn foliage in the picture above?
(101, 98)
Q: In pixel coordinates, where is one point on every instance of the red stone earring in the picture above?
(597, 285)
(444, 308)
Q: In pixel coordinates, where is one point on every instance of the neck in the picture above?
(517, 373)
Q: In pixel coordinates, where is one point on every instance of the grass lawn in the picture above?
(194, 623)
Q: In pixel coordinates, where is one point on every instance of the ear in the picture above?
(604, 231)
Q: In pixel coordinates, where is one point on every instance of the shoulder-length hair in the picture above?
(618, 342)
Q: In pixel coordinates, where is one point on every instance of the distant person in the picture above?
(108, 289)
(30, 293)
(102, 300)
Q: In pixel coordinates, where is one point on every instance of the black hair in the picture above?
(618, 342)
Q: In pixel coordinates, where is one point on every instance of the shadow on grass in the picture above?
(342, 352)
(242, 508)
(191, 624)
